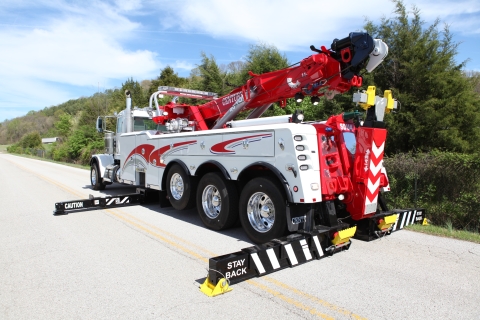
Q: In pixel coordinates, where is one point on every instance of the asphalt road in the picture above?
(144, 262)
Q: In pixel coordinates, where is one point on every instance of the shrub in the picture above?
(446, 184)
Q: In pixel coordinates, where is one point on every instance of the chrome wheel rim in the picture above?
(93, 176)
(211, 202)
(261, 212)
(176, 186)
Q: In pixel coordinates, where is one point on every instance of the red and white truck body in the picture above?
(275, 174)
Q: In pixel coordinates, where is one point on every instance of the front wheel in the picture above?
(95, 179)
(217, 201)
(262, 210)
(180, 188)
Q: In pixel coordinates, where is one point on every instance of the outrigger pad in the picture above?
(212, 290)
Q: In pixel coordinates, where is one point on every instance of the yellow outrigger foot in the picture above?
(387, 222)
(343, 236)
(213, 290)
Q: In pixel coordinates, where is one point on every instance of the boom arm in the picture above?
(327, 72)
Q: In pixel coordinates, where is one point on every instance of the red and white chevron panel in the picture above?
(374, 174)
(367, 172)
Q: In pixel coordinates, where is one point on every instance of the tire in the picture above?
(95, 180)
(217, 201)
(263, 210)
(180, 188)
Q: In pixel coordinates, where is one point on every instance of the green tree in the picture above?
(262, 58)
(167, 77)
(16, 128)
(211, 78)
(31, 140)
(117, 99)
(439, 105)
(80, 139)
(64, 125)
(233, 74)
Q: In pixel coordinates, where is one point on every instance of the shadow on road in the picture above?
(190, 216)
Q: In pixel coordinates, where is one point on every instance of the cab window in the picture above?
(350, 142)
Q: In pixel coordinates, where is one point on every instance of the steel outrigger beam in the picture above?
(275, 255)
(385, 223)
(141, 196)
(300, 248)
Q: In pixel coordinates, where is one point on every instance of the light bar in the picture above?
(190, 93)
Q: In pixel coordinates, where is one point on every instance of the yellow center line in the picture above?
(171, 235)
(289, 300)
(313, 298)
(156, 235)
(121, 215)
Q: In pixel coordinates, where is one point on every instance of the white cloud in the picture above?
(432, 9)
(290, 24)
(81, 46)
(183, 65)
(71, 53)
(128, 5)
(287, 24)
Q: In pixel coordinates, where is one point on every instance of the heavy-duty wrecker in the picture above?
(301, 190)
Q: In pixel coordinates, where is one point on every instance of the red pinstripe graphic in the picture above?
(153, 157)
(142, 150)
(220, 148)
(164, 151)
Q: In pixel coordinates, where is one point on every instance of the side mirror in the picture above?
(99, 125)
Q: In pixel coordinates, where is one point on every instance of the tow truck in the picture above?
(301, 190)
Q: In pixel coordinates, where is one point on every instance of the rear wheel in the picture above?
(262, 210)
(217, 201)
(180, 188)
(95, 179)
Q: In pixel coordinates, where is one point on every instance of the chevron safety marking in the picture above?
(373, 187)
(373, 184)
(258, 263)
(272, 256)
(408, 217)
(394, 227)
(318, 246)
(117, 201)
(377, 151)
(403, 220)
(306, 250)
(407, 221)
(375, 169)
(273, 259)
(270, 262)
(291, 254)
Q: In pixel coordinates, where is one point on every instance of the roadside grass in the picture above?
(446, 231)
(50, 160)
(3, 148)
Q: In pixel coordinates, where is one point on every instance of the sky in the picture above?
(52, 51)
